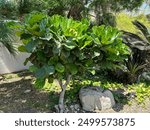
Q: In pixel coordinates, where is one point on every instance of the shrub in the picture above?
(62, 48)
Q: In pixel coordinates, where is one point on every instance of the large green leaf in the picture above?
(49, 69)
(41, 56)
(39, 83)
(57, 47)
(45, 71)
(70, 45)
(65, 54)
(47, 37)
(88, 62)
(34, 18)
(40, 73)
(81, 56)
(31, 46)
(60, 68)
(53, 60)
(55, 20)
(87, 43)
(57, 50)
(72, 68)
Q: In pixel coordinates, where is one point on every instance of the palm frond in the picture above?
(135, 41)
(7, 37)
(143, 29)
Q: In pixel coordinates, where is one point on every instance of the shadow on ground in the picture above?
(18, 95)
(21, 97)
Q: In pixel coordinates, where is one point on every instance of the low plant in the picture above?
(138, 61)
(125, 93)
(142, 91)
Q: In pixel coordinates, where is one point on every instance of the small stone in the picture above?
(1, 77)
(46, 105)
(24, 101)
(72, 106)
(17, 100)
(76, 106)
(27, 91)
(8, 95)
(66, 110)
(3, 89)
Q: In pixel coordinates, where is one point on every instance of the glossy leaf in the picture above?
(39, 83)
(40, 73)
(60, 68)
(31, 46)
(70, 45)
(72, 68)
(49, 69)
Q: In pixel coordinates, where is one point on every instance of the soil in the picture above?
(18, 95)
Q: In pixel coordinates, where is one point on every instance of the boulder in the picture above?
(96, 98)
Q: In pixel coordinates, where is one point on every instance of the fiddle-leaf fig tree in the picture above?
(62, 48)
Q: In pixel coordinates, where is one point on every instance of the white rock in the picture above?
(27, 91)
(96, 98)
(76, 106)
(24, 101)
(8, 95)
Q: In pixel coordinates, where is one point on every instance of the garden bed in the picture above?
(18, 95)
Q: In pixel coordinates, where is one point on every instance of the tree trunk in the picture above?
(62, 94)
(75, 11)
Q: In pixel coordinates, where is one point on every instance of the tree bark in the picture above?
(75, 10)
(62, 94)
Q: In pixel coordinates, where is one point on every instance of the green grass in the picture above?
(124, 22)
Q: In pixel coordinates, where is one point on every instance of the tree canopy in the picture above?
(103, 9)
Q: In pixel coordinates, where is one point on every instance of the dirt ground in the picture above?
(17, 95)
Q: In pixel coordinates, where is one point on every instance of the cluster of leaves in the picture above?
(8, 8)
(60, 46)
(112, 50)
(27, 6)
(142, 91)
(139, 43)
